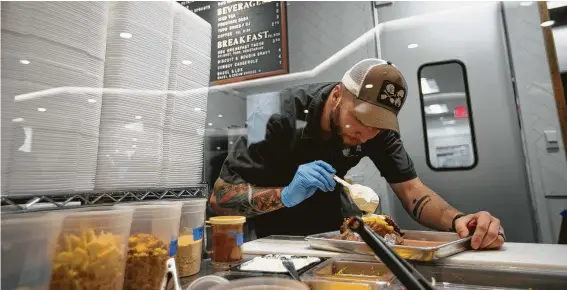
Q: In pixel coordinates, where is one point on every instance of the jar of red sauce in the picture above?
(228, 237)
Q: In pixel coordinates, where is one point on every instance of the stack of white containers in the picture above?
(59, 137)
(48, 138)
(183, 137)
(138, 54)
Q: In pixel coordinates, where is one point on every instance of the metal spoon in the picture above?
(364, 197)
(288, 264)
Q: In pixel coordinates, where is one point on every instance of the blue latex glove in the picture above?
(310, 177)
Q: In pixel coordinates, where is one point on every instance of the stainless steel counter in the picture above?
(542, 256)
(549, 258)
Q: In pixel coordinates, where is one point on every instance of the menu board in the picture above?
(249, 39)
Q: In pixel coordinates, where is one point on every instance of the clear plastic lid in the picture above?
(262, 283)
(207, 282)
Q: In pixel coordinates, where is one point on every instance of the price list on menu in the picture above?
(249, 39)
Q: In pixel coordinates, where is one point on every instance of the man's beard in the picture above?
(336, 131)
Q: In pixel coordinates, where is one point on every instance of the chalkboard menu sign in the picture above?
(249, 39)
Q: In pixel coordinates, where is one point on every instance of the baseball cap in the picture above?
(380, 90)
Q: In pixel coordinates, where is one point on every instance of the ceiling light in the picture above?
(24, 61)
(413, 45)
(369, 86)
(197, 109)
(526, 3)
(42, 109)
(230, 142)
(18, 120)
(305, 111)
(219, 115)
(436, 109)
(218, 148)
(186, 62)
(126, 35)
(138, 117)
(210, 124)
(91, 100)
(547, 23)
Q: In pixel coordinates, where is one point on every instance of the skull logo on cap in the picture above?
(394, 97)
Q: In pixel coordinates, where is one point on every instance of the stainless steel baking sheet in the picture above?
(421, 245)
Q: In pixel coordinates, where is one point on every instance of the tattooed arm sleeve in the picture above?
(424, 205)
(244, 199)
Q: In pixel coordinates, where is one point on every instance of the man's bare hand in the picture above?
(486, 230)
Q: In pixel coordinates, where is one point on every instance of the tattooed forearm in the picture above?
(244, 199)
(446, 207)
(433, 211)
(419, 204)
(424, 205)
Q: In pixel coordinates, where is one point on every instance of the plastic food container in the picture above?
(91, 249)
(190, 242)
(207, 282)
(28, 245)
(153, 239)
(262, 283)
(228, 238)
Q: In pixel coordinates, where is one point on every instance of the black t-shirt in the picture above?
(292, 139)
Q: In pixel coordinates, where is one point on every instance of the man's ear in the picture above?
(337, 93)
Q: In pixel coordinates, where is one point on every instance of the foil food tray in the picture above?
(369, 275)
(345, 274)
(418, 245)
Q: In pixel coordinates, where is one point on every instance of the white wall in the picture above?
(547, 168)
(404, 9)
(317, 30)
(560, 38)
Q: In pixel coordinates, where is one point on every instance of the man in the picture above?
(284, 184)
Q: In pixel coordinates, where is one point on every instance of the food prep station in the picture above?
(515, 266)
(159, 245)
